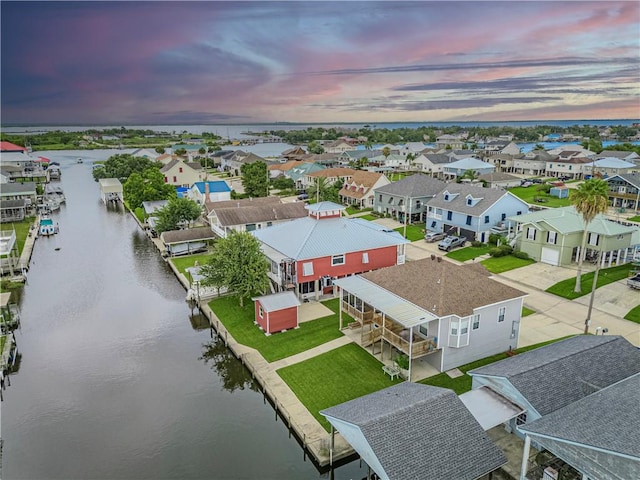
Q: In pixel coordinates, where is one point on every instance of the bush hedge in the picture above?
(521, 254)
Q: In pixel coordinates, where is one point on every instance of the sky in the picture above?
(208, 62)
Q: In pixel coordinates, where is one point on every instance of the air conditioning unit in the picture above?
(550, 473)
(326, 281)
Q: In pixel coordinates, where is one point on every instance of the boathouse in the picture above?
(277, 312)
(111, 190)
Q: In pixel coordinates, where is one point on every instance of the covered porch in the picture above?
(388, 326)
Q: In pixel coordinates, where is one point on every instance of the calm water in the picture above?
(115, 381)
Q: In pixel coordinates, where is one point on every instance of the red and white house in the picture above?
(277, 312)
(307, 254)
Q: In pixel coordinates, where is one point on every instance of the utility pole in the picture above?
(587, 321)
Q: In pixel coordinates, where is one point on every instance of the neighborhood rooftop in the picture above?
(418, 185)
(457, 198)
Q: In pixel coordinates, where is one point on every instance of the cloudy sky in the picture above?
(242, 62)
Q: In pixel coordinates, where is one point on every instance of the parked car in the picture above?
(431, 237)
(450, 242)
(634, 282)
(303, 196)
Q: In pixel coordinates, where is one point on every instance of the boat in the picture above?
(54, 192)
(79, 160)
(47, 227)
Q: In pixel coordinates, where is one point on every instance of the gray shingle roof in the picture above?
(608, 419)
(259, 213)
(459, 203)
(418, 431)
(187, 235)
(632, 178)
(18, 188)
(414, 186)
(438, 158)
(561, 373)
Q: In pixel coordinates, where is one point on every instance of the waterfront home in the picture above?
(13, 210)
(432, 163)
(500, 180)
(307, 254)
(624, 190)
(554, 236)
(409, 195)
(233, 161)
(9, 253)
(458, 168)
(149, 153)
(338, 146)
(445, 314)
(6, 147)
(182, 174)
(293, 153)
(533, 163)
(472, 211)
(19, 191)
(414, 431)
(186, 241)
(276, 312)
(555, 384)
(111, 190)
(622, 155)
(249, 214)
(450, 142)
(611, 166)
(359, 190)
(299, 172)
(571, 167)
(209, 191)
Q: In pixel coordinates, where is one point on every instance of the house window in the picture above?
(531, 233)
(424, 330)
(486, 219)
(469, 201)
(175, 179)
(503, 217)
(166, 179)
(446, 197)
(379, 198)
(269, 224)
(468, 219)
(180, 169)
(501, 313)
(307, 287)
(260, 311)
(551, 237)
(476, 322)
(454, 327)
(365, 257)
(307, 269)
(570, 167)
(433, 224)
(464, 327)
(250, 227)
(594, 238)
(519, 212)
(514, 329)
(449, 215)
(337, 260)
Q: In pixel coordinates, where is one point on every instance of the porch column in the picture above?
(578, 253)
(317, 285)
(384, 318)
(410, 351)
(525, 457)
(340, 309)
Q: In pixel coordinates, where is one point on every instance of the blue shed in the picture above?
(560, 192)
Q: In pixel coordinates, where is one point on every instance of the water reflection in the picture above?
(234, 376)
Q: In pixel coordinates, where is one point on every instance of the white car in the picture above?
(431, 237)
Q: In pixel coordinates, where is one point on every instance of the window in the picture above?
(569, 167)
(166, 179)
(594, 238)
(551, 237)
(424, 330)
(307, 269)
(260, 311)
(464, 327)
(486, 219)
(269, 224)
(503, 217)
(379, 198)
(469, 201)
(446, 197)
(454, 327)
(365, 257)
(250, 227)
(519, 212)
(337, 260)
(476, 322)
(433, 224)
(468, 219)
(307, 287)
(514, 329)
(180, 170)
(175, 179)
(449, 215)
(531, 233)
(501, 313)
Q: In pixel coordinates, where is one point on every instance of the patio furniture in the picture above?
(391, 370)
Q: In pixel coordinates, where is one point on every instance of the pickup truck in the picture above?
(634, 282)
(451, 242)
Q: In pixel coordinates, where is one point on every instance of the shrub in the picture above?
(521, 254)
(498, 252)
(494, 239)
(402, 361)
(477, 244)
(545, 187)
(506, 247)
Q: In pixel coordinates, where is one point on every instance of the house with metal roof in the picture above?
(611, 166)
(307, 254)
(621, 154)
(414, 431)
(471, 210)
(209, 191)
(554, 236)
(186, 241)
(418, 309)
(249, 214)
(408, 195)
(299, 172)
(568, 391)
(624, 190)
(276, 312)
(360, 189)
(458, 168)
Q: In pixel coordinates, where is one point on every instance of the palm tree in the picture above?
(589, 200)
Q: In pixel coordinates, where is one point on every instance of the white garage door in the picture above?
(550, 256)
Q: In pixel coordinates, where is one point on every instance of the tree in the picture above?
(160, 150)
(181, 151)
(255, 179)
(178, 211)
(386, 151)
(237, 264)
(325, 192)
(202, 150)
(145, 187)
(589, 200)
(121, 166)
(315, 147)
(593, 144)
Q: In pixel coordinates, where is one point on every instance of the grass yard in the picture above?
(463, 384)
(351, 210)
(634, 219)
(414, 232)
(3, 340)
(335, 377)
(506, 263)
(395, 176)
(606, 276)
(22, 231)
(182, 263)
(634, 314)
(527, 311)
(369, 217)
(239, 322)
(467, 253)
(139, 213)
(528, 193)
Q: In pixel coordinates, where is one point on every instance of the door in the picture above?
(550, 256)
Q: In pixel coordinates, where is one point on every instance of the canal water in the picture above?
(117, 377)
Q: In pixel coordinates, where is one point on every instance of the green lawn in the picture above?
(606, 276)
(634, 314)
(335, 377)
(506, 263)
(528, 193)
(463, 384)
(139, 213)
(182, 263)
(22, 231)
(414, 232)
(395, 176)
(369, 217)
(527, 311)
(467, 253)
(634, 219)
(239, 322)
(351, 210)
(3, 340)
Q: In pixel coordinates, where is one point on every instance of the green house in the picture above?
(554, 236)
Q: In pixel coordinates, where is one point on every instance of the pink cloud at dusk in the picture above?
(212, 62)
